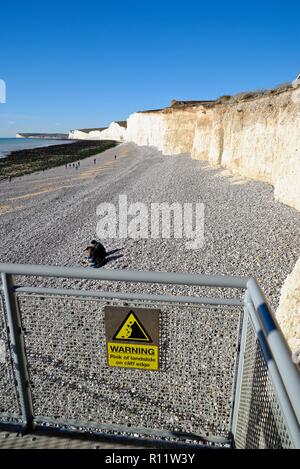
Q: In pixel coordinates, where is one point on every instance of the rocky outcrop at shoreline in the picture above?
(21, 162)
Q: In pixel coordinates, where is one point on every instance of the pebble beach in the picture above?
(50, 217)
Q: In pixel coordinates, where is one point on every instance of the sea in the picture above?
(7, 145)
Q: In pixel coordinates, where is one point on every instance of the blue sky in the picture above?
(83, 64)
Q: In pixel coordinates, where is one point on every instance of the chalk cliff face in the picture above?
(255, 138)
(181, 125)
(258, 138)
(288, 313)
(114, 132)
(170, 130)
(146, 128)
(80, 135)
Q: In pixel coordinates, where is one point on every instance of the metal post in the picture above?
(239, 377)
(278, 386)
(277, 343)
(17, 349)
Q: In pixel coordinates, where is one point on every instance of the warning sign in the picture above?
(132, 336)
(132, 356)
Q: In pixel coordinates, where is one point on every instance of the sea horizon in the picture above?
(10, 144)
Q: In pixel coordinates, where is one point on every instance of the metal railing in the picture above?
(54, 374)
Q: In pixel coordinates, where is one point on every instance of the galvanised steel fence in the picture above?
(226, 376)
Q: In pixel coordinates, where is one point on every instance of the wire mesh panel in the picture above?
(9, 405)
(260, 424)
(70, 379)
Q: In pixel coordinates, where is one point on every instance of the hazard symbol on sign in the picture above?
(131, 329)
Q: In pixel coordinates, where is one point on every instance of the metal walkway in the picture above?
(13, 440)
(225, 377)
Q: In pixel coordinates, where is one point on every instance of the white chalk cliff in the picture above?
(115, 131)
(256, 136)
(288, 313)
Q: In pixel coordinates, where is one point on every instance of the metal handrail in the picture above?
(283, 372)
(281, 352)
(225, 281)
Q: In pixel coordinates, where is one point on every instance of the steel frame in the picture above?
(283, 373)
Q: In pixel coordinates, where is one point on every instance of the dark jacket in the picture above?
(99, 252)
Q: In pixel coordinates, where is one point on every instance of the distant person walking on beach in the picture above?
(95, 160)
(115, 157)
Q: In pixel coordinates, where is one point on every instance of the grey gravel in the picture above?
(246, 233)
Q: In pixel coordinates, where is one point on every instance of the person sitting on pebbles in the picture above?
(96, 254)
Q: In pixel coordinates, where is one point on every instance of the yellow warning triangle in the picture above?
(131, 329)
